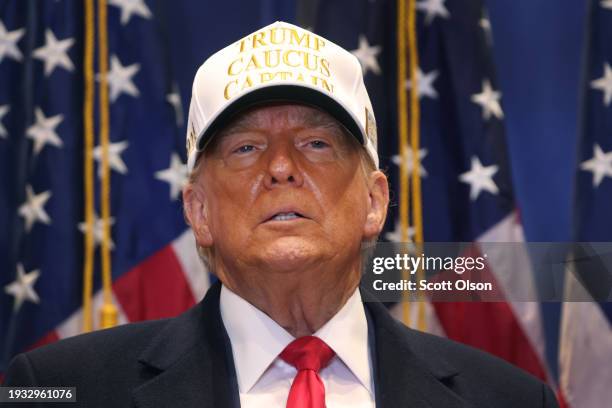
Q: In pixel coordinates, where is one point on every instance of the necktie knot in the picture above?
(307, 353)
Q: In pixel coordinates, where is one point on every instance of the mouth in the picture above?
(286, 216)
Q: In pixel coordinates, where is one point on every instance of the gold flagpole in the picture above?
(88, 130)
(402, 114)
(415, 122)
(108, 313)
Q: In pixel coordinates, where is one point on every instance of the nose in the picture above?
(283, 168)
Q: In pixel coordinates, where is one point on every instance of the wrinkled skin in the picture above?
(275, 160)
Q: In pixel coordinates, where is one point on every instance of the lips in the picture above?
(285, 214)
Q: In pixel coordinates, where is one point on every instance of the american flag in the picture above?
(585, 345)
(463, 163)
(154, 49)
(467, 187)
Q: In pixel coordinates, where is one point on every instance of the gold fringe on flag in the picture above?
(108, 312)
(410, 188)
(88, 130)
(415, 122)
(402, 115)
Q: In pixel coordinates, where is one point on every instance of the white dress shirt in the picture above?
(264, 379)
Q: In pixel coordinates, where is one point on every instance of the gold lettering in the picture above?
(253, 63)
(278, 36)
(325, 67)
(296, 39)
(259, 38)
(273, 39)
(268, 59)
(307, 60)
(265, 77)
(286, 58)
(316, 81)
(269, 76)
(247, 83)
(230, 71)
(226, 91)
(242, 42)
(300, 77)
(319, 43)
(329, 87)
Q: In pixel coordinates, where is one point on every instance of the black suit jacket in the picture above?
(187, 362)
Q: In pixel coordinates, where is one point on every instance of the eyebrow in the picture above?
(310, 118)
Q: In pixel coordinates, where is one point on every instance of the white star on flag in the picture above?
(480, 178)
(33, 209)
(600, 165)
(425, 83)
(8, 43)
(606, 4)
(604, 84)
(366, 55)
(129, 7)
(98, 230)
(3, 111)
(114, 157)
(22, 288)
(485, 24)
(488, 99)
(54, 53)
(175, 175)
(43, 131)
(409, 161)
(432, 9)
(174, 99)
(120, 79)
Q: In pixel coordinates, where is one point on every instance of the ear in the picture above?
(378, 188)
(196, 211)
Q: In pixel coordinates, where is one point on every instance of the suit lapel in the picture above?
(189, 364)
(403, 377)
(190, 361)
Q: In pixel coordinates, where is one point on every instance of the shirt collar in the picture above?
(346, 333)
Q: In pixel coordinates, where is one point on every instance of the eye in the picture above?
(318, 144)
(244, 149)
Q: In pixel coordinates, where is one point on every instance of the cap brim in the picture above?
(281, 93)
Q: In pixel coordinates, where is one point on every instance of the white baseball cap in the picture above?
(280, 62)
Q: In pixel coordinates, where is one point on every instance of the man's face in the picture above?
(282, 187)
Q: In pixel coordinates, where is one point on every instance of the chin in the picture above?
(290, 253)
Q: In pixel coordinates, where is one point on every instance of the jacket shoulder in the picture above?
(109, 350)
(478, 373)
(478, 378)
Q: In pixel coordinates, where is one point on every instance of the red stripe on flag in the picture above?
(50, 337)
(489, 326)
(561, 399)
(154, 289)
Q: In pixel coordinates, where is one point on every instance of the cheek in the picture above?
(355, 208)
(329, 183)
(344, 199)
(231, 196)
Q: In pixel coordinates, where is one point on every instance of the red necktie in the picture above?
(308, 355)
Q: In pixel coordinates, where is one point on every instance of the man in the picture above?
(284, 193)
